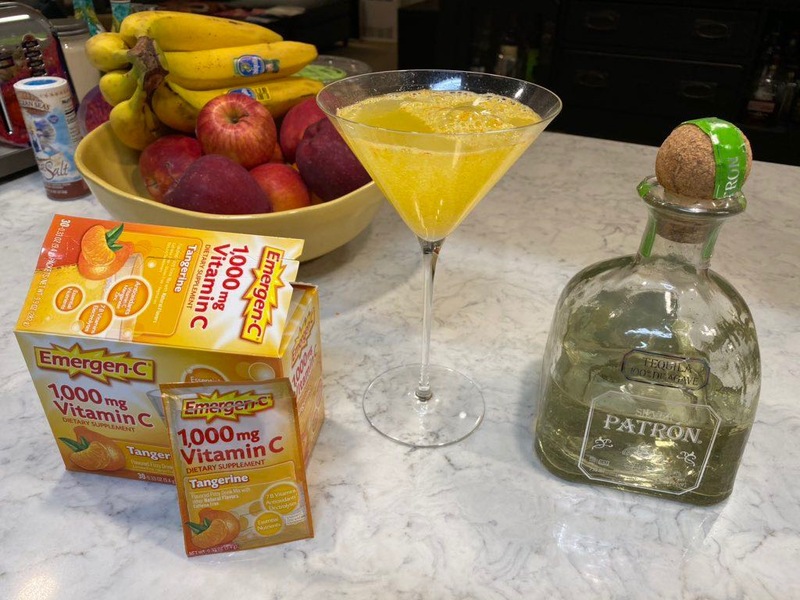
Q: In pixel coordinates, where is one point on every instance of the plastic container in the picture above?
(28, 48)
(52, 124)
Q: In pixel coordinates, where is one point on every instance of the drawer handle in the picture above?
(698, 90)
(601, 20)
(591, 78)
(712, 30)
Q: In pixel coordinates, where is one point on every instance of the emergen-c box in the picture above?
(117, 309)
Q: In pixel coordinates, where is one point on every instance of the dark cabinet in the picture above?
(726, 35)
(648, 86)
(631, 70)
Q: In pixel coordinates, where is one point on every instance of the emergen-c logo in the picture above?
(229, 406)
(97, 364)
(262, 295)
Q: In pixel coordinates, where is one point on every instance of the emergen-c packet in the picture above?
(239, 469)
(116, 309)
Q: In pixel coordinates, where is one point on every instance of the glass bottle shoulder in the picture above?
(627, 303)
(614, 283)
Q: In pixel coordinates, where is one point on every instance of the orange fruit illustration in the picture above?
(115, 455)
(215, 534)
(232, 524)
(93, 451)
(93, 458)
(95, 248)
(102, 254)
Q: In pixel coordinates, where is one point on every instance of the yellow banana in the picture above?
(173, 111)
(185, 32)
(117, 86)
(278, 95)
(107, 51)
(238, 66)
(134, 122)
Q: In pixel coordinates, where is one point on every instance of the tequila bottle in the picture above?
(651, 373)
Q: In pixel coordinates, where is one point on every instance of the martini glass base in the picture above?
(452, 413)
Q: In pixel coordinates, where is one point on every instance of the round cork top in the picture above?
(686, 163)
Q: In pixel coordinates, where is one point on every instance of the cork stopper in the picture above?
(704, 159)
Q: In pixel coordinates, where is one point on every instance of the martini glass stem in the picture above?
(430, 254)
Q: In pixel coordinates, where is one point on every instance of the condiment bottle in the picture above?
(49, 112)
(651, 373)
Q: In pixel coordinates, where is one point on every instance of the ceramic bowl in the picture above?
(111, 171)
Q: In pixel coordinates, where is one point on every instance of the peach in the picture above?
(216, 184)
(294, 126)
(283, 186)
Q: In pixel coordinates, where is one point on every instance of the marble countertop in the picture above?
(478, 519)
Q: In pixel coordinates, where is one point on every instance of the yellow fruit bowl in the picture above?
(111, 170)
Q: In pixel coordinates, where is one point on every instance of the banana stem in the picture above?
(147, 59)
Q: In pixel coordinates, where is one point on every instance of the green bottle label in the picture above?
(730, 154)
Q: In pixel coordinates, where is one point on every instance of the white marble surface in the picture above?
(480, 519)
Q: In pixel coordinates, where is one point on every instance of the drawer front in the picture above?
(647, 86)
(668, 30)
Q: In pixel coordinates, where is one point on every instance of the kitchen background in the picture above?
(630, 70)
(627, 70)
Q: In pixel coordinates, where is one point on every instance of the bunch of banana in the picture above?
(163, 67)
(134, 122)
(119, 85)
(132, 119)
(178, 107)
(238, 65)
(187, 32)
(107, 51)
(278, 95)
(173, 111)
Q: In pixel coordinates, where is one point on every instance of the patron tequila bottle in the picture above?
(651, 374)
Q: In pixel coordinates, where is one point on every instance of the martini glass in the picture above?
(435, 142)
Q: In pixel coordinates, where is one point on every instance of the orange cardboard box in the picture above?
(116, 309)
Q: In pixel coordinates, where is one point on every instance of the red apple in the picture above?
(239, 127)
(216, 184)
(163, 162)
(326, 163)
(283, 186)
(295, 123)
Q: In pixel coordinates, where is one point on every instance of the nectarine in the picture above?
(216, 184)
(295, 123)
(283, 186)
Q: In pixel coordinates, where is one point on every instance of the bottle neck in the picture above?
(688, 241)
(683, 230)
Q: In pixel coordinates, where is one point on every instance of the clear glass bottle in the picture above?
(651, 374)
